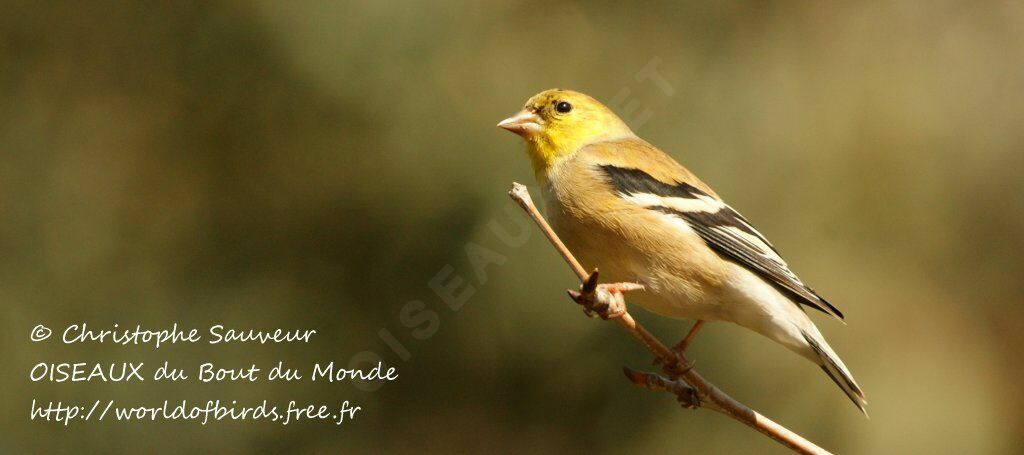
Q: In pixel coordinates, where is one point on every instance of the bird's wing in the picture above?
(721, 227)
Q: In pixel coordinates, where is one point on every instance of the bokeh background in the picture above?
(316, 164)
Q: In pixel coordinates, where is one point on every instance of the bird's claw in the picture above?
(603, 300)
(678, 369)
(672, 369)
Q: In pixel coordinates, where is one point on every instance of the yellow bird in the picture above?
(622, 204)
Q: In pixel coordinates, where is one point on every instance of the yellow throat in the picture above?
(556, 123)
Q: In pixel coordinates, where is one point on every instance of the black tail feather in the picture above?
(835, 369)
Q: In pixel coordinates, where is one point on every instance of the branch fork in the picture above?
(607, 301)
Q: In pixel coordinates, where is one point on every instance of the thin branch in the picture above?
(675, 365)
(652, 381)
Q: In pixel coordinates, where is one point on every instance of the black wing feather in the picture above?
(708, 225)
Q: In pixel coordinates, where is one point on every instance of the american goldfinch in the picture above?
(620, 203)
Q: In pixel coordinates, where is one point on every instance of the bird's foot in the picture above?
(679, 368)
(604, 300)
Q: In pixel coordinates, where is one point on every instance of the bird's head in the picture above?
(556, 123)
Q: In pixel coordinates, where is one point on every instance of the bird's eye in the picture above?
(563, 107)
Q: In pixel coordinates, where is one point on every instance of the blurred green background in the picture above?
(316, 164)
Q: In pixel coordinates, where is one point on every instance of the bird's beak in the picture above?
(524, 123)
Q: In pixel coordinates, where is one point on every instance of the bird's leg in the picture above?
(604, 300)
(680, 347)
(685, 342)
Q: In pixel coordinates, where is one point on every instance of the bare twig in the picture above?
(688, 386)
(684, 393)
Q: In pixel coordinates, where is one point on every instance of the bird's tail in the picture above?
(835, 369)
